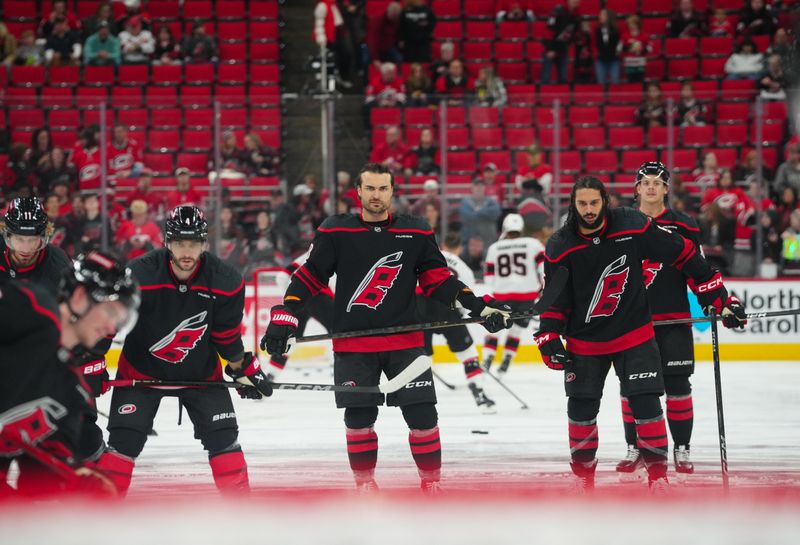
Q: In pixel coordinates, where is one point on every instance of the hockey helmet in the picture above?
(653, 168)
(186, 222)
(513, 223)
(26, 216)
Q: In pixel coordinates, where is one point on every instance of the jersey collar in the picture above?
(384, 223)
(189, 280)
(29, 268)
(596, 234)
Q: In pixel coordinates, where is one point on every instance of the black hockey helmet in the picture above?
(186, 223)
(26, 216)
(653, 168)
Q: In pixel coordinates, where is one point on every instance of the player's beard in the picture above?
(185, 264)
(376, 207)
(596, 222)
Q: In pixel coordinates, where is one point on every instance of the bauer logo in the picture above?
(128, 408)
(569, 377)
(222, 416)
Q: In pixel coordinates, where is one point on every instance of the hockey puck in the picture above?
(480, 432)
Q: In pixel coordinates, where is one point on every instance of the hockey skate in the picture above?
(683, 466)
(365, 482)
(503, 369)
(631, 468)
(657, 481)
(429, 482)
(485, 404)
(487, 362)
(583, 477)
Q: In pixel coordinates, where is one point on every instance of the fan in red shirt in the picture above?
(734, 204)
(535, 171)
(386, 89)
(183, 193)
(393, 153)
(144, 192)
(124, 154)
(456, 84)
(85, 157)
(138, 235)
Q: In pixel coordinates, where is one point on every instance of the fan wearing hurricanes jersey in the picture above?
(44, 401)
(378, 259)
(191, 316)
(514, 272)
(604, 315)
(458, 338)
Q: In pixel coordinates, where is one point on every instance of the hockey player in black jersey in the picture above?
(378, 259)
(666, 295)
(604, 316)
(191, 316)
(44, 402)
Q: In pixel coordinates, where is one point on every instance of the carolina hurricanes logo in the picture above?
(89, 172)
(650, 271)
(175, 346)
(121, 162)
(608, 290)
(31, 423)
(376, 283)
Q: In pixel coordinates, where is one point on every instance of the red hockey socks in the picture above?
(230, 472)
(118, 468)
(510, 350)
(652, 440)
(628, 423)
(426, 448)
(489, 349)
(362, 448)
(680, 415)
(583, 440)
(472, 369)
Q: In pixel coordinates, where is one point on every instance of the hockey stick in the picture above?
(723, 446)
(549, 295)
(506, 388)
(443, 381)
(751, 316)
(414, 370)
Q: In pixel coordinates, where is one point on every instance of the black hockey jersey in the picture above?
(603, 309)
(42, 398)
(666, 286)
(47, 270)
(377, 267)
(183, 328)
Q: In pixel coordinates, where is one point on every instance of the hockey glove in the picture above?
(495, 313)
(96, 376)
(713, 295)
(279, 337)
(554, 355)
(251, 375)
(734, 315)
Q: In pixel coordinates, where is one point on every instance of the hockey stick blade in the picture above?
(751, 316)
(414, 370)
(549, 295)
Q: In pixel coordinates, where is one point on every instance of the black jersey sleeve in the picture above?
(660, 244)
(433, 274)
(312, 277)
(554, 319)
(226, 329)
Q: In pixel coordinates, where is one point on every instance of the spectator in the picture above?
(584, 58)
(8, 46)
(691, 113)
(653, 111)
(787, 203)
(258, 159)
(345, 193)
(514, 10)
(353, 14)
(144, 192)
(686, 22)
(790, 254)
(138, 235)
(479, 214)
(746, 62)
(473, 255)
(415, 34)
(781, 45)
(788, 173)
(19, 177)
(756, 19)
(720, 26)
(183, 192)
(137, 43)
(198, 47)
(62, 47)
(92, 224)
(707, 175)
(432, 215)
(296, 222)
(426, 155)
(635, 47)
(534, 210)
(771, 243)
(29, 53)
(232, 247)
(103, 14)
(393, 153)
(59, 11)
(563, 23)
(430, 195)
(387, 90)
(230, 154)
(330, 32)
(607, 44)
(439, 67)
(61, 189)
(133, 8)
(489, 88)
(456, 84)
(736, 205)
(54, 170)
(382, 35)
(262, 244)
(41, 145)
(167, 50)
(102, 48)
(124, 154)
(417, 85)
(747, 169)
(717, 236)
(536, 175)
(773, 82)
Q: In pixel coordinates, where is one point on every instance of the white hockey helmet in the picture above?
(513, 223)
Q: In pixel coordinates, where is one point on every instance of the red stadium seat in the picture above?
(481, 31)
(99, 75)
(263, 9)
(547, 138)
(264, 31)
(27, 76)
(198, 117)
(458, 138)
(126, 97)
(683, 160)
(772, 134)
(196, 139)
(654, 26)
(265, 74)
(588, 94)
(161, 97)
(195, 162)
(198, 96)
(626, 137)
(584, 116)
(726, 157)
(774, 111)
(474, 51)
(683, 68)
(549, 94)
(133, 74)
(633, 159)
(656, 7)
(265, 52)
(265, 117)
(712, 67)
(461, 162)
(733, 112)
(619, 115)
(513, 30)
(234, 74)
(519, 94)
(231, 9)
(481, 9)
(713, 46)
(487, 138)
(26, 119)
(622, 7)
(234, 118)
(168, 118)
(92, 117)
(731, 89)
(517, 116)
(706, 90)
(456, 116)
(513, 72)
(506, 51)
(545, 116)
(659, 137)
(160, 163)
(501, 159)
(625, 93)
(680, 47)
(163, 10)
(482, 116)
(57, 97)
(198, 9)
(385, 117)
(449, 31)
(520, 137)
(20, 10)
(167, 74)
(134, 119)
(446, 9)
(91, 97)
(65, 76)
(569, 161)
(589, 137)
(602, 161)
(163, 140)
(699, 137)
(199, 74)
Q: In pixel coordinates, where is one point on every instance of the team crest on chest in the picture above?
(377, 282)
(176, 345)
(609, 290)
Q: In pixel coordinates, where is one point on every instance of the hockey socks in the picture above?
(469, 359)
(230, 472)
(426, 449)
(277, 364)
(489, 350)
(652, 443)
(118, 468)
(583, 440)
(628, 422)
(362, 449)
(680, 415)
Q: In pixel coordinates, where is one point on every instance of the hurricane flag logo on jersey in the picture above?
(376, 283)
(29, 423)
(608, 290)
(650, 271)
(175, 346)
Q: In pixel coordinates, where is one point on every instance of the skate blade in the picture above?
(637, 476)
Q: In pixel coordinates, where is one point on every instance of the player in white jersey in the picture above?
(514, 274)
(458, 338)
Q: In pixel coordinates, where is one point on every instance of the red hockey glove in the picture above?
(251, 375)
(554, 355)
(96, 376)
(279, 337)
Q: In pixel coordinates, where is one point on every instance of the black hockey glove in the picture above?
(734, 316)
(251, 375)
(96, 376)
(554, 355)
(496, 314)
(279, 337)
(713, 295)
